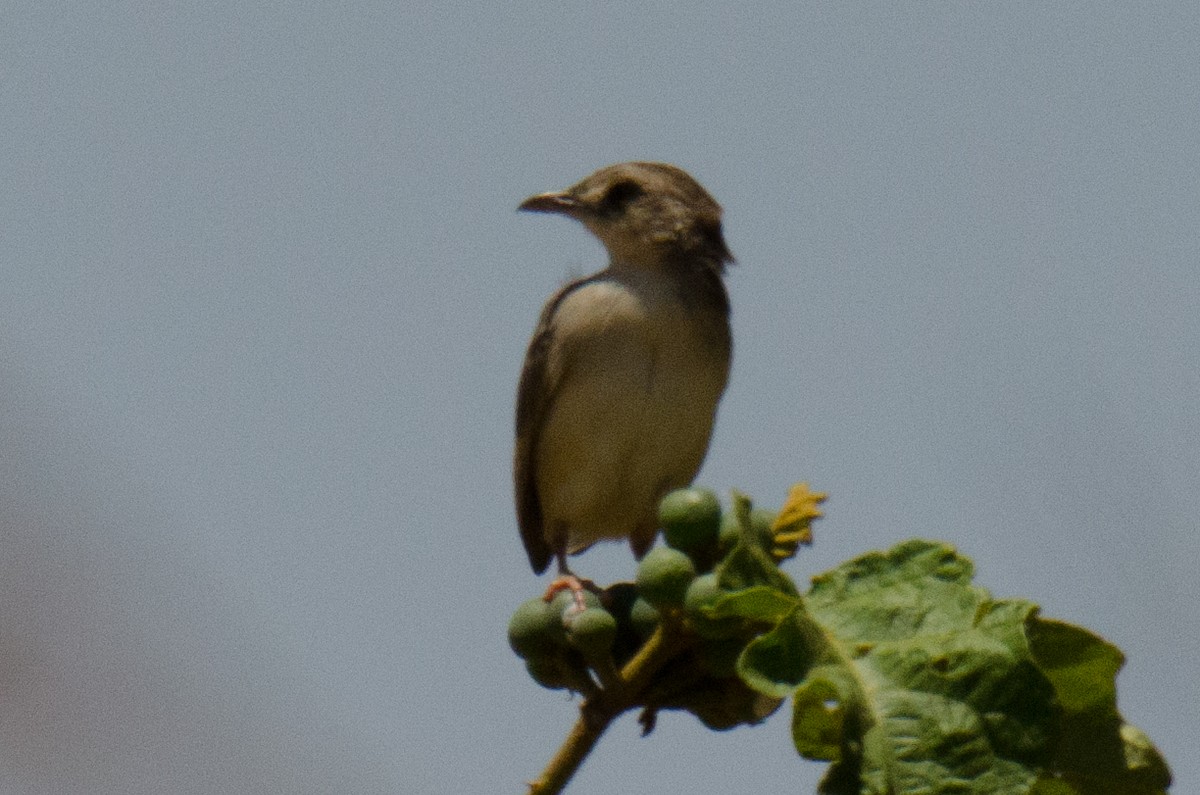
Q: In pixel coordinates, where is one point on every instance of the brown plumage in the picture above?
(622, 378)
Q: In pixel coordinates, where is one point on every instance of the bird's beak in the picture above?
(553, 202)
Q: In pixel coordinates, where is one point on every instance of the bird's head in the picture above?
(645, 214)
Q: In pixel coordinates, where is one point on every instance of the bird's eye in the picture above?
(620, 194)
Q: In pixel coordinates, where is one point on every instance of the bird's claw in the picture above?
(569, 582)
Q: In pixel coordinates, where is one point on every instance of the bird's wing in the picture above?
(535, 395)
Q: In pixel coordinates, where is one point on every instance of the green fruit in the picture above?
(564, 600)
(691, 519)
(644, 618)
(555, 672)
(704, 591)
(592, 631)
(663, 577)
(535, 629)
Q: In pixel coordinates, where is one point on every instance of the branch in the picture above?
(602, 707)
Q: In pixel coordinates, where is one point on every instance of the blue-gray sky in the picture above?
(264, 298)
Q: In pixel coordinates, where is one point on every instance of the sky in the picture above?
(264, 298)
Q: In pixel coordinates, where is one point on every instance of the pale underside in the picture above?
(636, 378)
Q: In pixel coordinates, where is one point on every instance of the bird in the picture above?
(621, 381)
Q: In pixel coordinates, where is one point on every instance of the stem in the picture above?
(592, 722)
(599, 709)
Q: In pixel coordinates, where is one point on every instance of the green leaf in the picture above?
(819, 715)
(918, 587)
(895, 683)
(778, 662)
(1083, 667)
(1097, 753)
(760, 603)
(911, 679)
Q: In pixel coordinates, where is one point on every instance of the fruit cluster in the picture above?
(582, 645)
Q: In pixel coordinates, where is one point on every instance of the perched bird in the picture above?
(619, 391)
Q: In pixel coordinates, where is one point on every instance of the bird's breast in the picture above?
(640, 373)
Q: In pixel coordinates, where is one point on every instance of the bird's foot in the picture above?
(569, 582)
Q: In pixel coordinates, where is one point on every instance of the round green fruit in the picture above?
(644, 618)
(554, 672)
(535, 629)
(691, 519)
(704, 591)
(592, 631)
(664, 576)
(564, 601)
